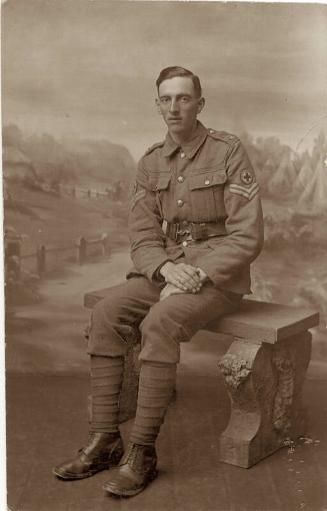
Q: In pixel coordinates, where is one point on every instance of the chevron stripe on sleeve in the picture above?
(247, 192)
(137, 197)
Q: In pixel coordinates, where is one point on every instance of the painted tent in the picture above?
(315, 193)
(285, 176)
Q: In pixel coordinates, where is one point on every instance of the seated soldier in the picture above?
(195, 226)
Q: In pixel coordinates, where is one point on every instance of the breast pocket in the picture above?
(207, 194)
(159, 183)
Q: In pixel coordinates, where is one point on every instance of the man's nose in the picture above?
(174, 107)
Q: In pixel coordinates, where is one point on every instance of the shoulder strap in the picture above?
(224, 136)
(153, 147)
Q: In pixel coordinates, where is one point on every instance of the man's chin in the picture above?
(176, 127)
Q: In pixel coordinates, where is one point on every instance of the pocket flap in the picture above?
(160, 182)
(207, 179)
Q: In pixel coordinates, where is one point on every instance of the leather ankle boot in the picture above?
(103, 451)
(136, 469)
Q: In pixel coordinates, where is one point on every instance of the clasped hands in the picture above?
(181, 278)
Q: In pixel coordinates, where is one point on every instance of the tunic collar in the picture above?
(190, 147)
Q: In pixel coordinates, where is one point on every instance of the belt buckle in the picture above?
(199, 231)
(181, 232)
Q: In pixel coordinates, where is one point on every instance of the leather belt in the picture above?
(194, 231)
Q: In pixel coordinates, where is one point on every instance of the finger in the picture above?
(179, 279)
(187, 283)
(197, 289)
(189, 280)
(192, 272)
(175, 281)
(184, 274)
(173, 291)
(163, 294)
(166, 290)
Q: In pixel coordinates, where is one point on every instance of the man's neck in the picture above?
(183, 138)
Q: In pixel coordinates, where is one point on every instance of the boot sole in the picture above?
(130, 493)
(66, 476)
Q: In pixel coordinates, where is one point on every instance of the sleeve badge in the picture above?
(246, 177)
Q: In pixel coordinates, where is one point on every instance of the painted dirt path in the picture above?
(48, 336)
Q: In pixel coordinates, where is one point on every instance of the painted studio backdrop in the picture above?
(78, 91)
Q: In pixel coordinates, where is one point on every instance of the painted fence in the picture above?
(47, 258)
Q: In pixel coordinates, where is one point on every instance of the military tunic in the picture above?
(210, 179)
(208, 184)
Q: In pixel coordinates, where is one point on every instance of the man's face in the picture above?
(179, 105)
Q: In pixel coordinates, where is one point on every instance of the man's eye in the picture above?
(164, 100)
(184, 99)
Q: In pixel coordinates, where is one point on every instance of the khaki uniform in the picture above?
(198, 204)
(209, 180)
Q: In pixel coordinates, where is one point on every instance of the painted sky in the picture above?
(87, 68)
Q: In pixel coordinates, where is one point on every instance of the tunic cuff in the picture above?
(157, 275)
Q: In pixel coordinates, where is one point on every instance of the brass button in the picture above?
(212, 131)
(180, 179)
(180, 203)
(184, 243)
(207, 182)
(183, 155)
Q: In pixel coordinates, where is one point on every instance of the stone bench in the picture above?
(264, 370)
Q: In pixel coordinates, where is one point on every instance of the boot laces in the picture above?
(135, 457)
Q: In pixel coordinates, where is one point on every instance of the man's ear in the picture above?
(201, 104)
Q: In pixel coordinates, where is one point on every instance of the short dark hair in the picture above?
(173, 71)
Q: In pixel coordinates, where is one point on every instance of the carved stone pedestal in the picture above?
(264, 382)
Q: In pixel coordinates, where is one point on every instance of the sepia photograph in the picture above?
(164, 176)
